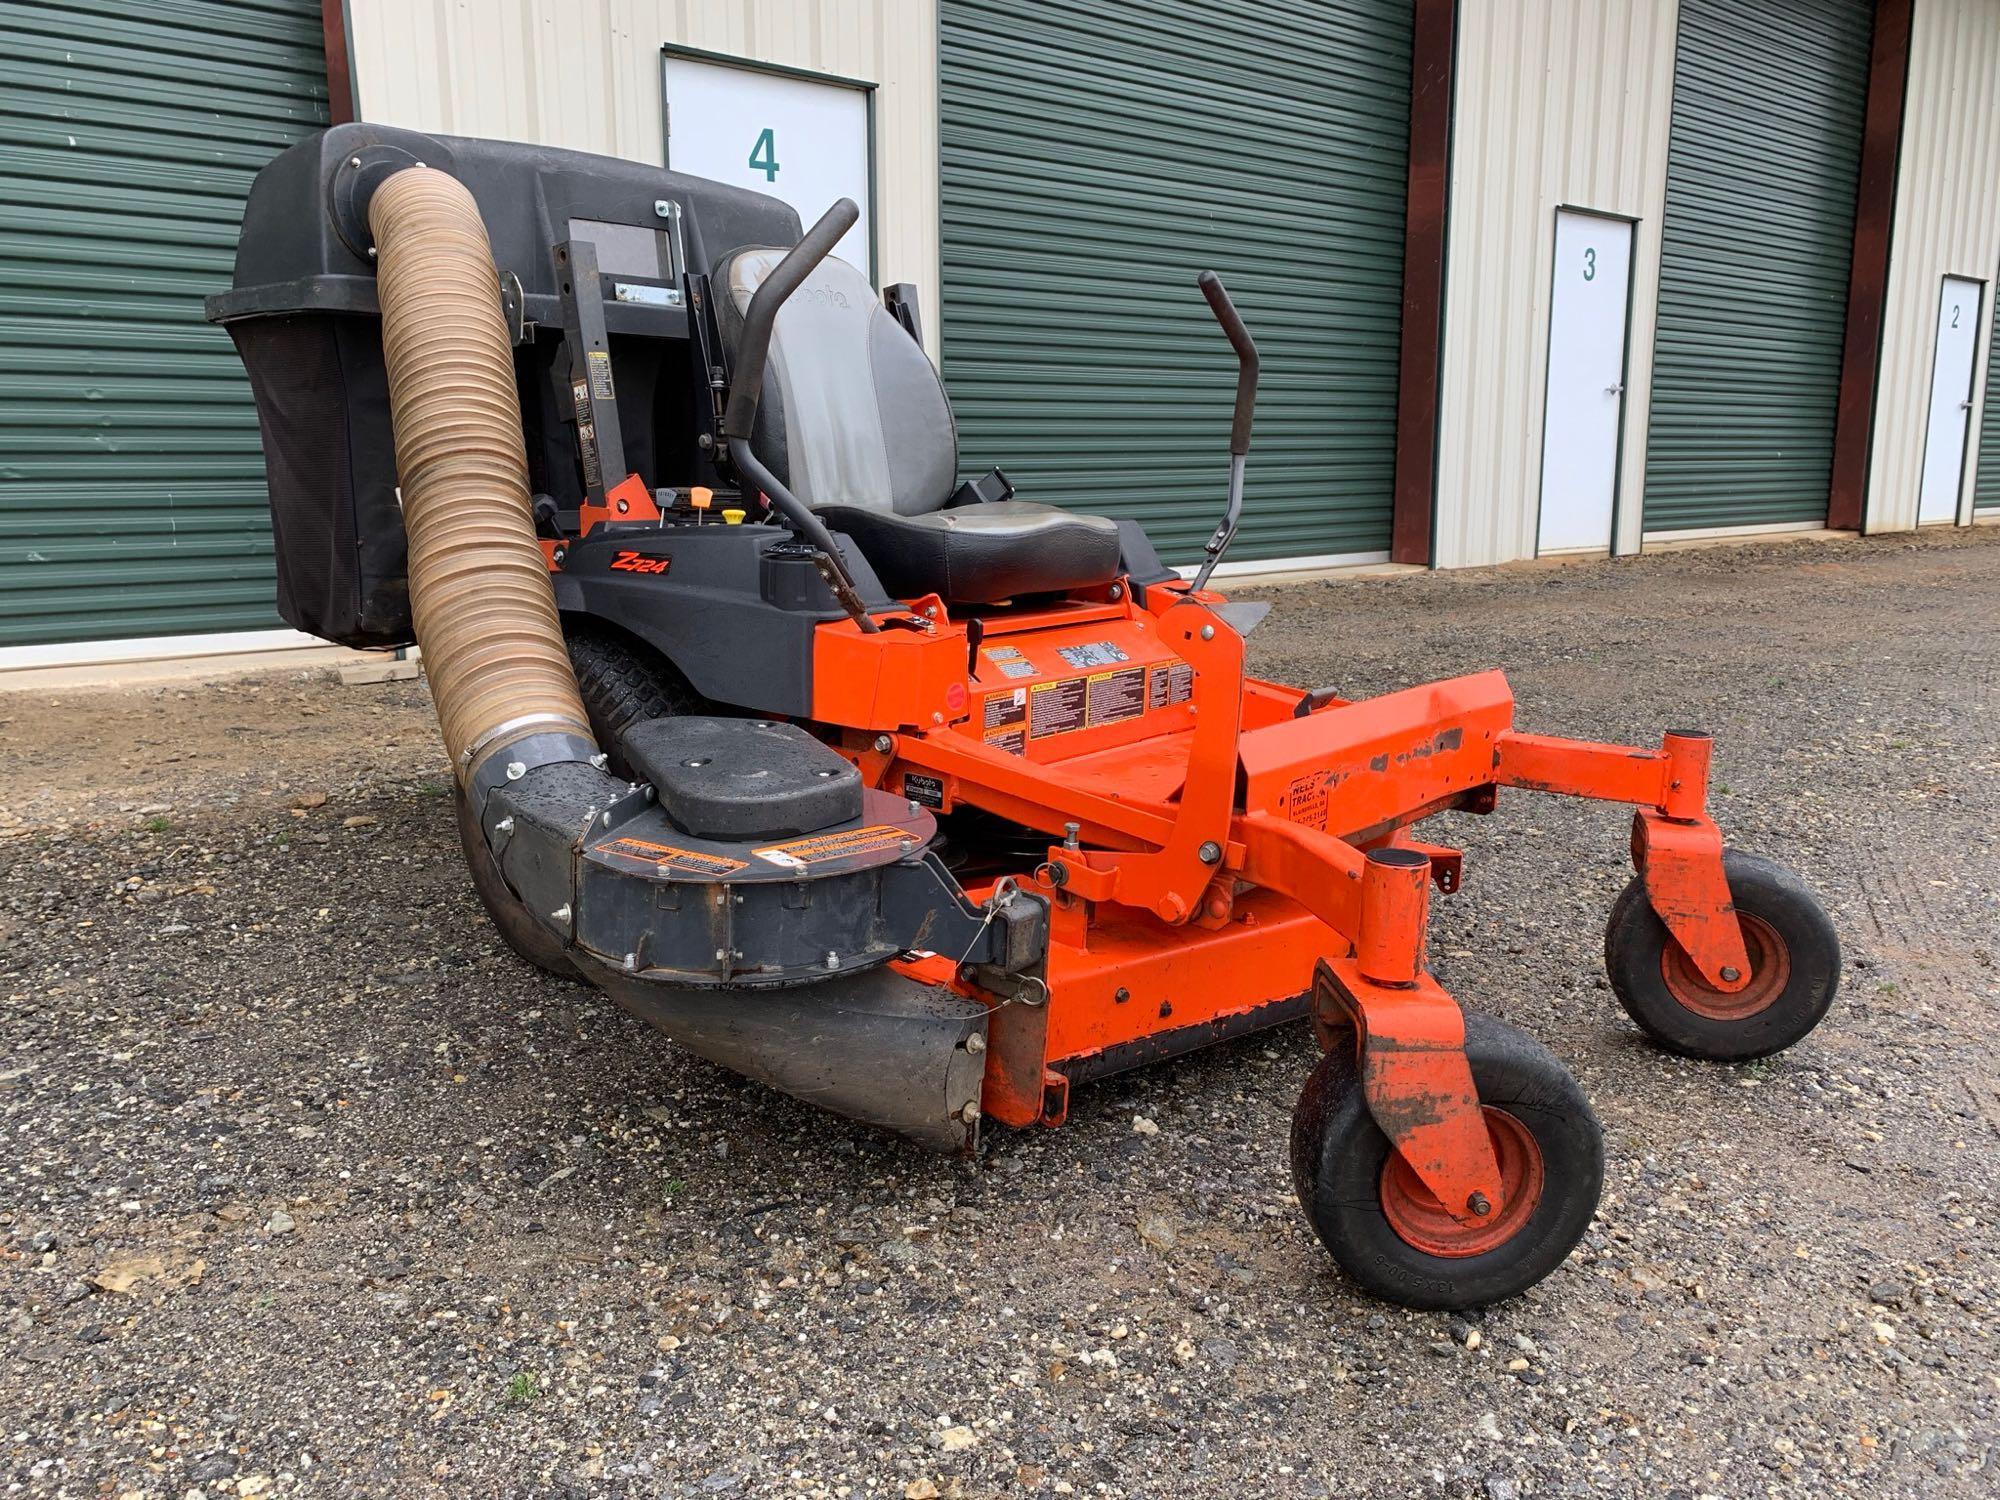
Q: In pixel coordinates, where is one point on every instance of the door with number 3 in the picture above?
(1585, 408)
(805, 138)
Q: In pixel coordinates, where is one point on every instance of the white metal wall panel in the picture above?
(1947, 224)
(1559, 103)
(586, 74)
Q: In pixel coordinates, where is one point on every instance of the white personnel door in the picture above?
(1951, 401)
(1586, 384)
(802, 139)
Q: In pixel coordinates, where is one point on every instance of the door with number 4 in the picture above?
(802, 137)
(1951, 402)
(1584, 413)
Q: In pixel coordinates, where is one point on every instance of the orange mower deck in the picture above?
(1242, 836)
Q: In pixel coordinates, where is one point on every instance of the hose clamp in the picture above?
(474, 753)
(510, 760)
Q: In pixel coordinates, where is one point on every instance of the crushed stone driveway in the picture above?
(307, 1186)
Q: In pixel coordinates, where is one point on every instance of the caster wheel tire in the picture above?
(1794, 968)
(1392, 1237)
(510, 919)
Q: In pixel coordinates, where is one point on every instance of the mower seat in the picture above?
(854, 421)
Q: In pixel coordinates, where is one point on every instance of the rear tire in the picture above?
(1390, 1235)
(1794, 968)
(623, 682)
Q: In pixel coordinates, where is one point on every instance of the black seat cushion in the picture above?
(982, 554)
(854, 422)
(742, 778)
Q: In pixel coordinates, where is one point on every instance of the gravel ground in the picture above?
(306, 1186)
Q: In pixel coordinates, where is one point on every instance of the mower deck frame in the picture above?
(1217, 861)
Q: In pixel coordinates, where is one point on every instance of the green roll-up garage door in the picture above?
(1986, 483)
(1759, 235)
(131, 484)
(1097, 155)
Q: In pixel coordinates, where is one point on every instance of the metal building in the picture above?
(1530, 276)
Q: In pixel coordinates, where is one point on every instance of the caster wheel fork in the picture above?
(1794, 970)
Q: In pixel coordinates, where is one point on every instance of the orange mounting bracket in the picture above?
(627, 500)
(1681, 863)
(1170, 881)
(1410, 1037)
(1676, 847)
(1447, 864)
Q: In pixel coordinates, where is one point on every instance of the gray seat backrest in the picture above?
(853, 412)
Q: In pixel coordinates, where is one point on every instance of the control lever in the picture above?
(1239, 431)
(746, 389)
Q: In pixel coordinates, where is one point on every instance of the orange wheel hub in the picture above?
(1770, 972)
(1421, 1221)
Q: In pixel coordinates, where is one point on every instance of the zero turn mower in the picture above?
(908, 797)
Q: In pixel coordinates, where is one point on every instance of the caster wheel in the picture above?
(510, 919)
(1392, 1237)
(1794, 968)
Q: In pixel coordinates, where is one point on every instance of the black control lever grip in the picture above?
(1246, 359)
(747, 389)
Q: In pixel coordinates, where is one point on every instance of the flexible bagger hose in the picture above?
(479, 585)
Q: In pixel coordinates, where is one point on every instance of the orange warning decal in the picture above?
(799, 853)
(671, 858)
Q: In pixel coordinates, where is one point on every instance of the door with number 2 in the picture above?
(1951, 401)
(801, 137)
(1586, 384)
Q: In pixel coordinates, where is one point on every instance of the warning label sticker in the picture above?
(1010, 661)
(1168, 684)
(668, 857)
(1117, 696)
(1057, 707)
(1093, 654)
(1013, 741)
(799, 853)
(927, 791)
(1005, 709)
(598, 363)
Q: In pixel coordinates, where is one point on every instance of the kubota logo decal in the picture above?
(628, 561)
